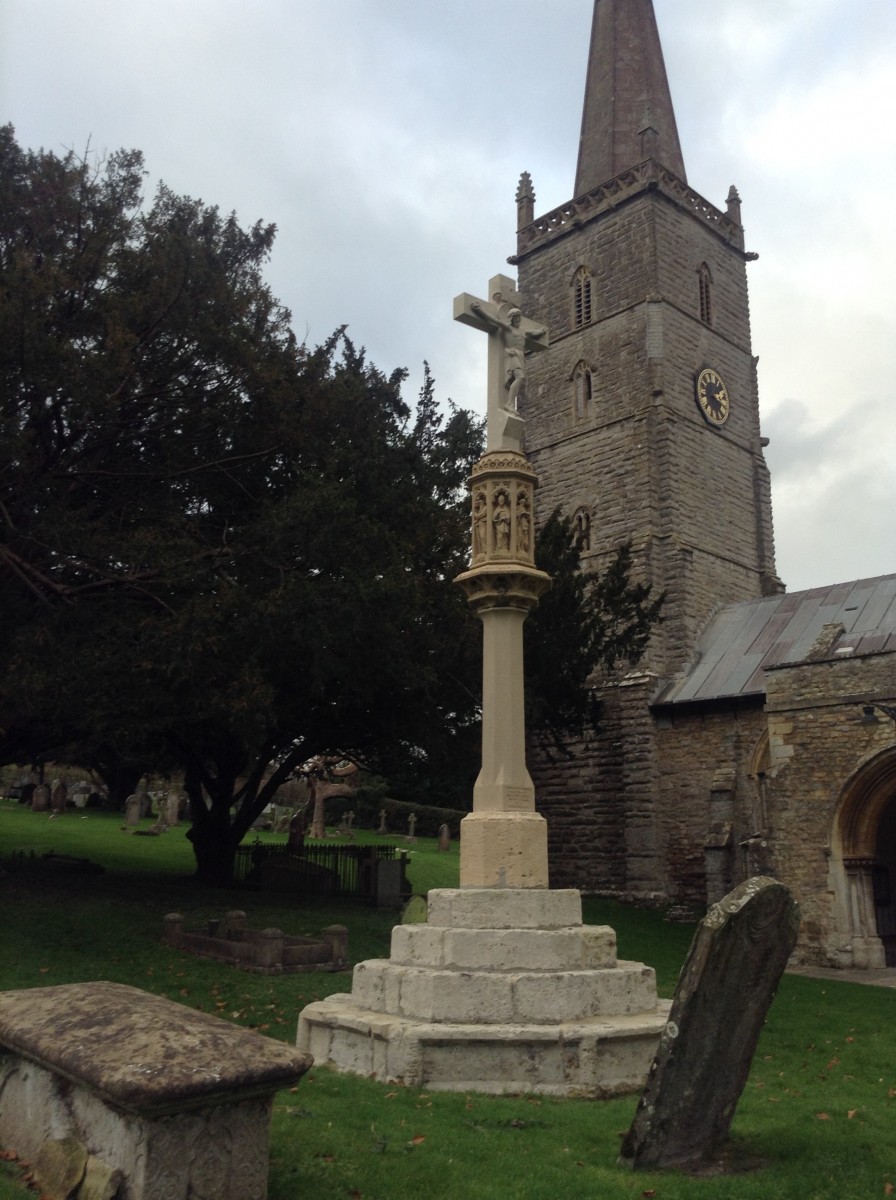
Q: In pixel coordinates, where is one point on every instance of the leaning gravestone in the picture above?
(726, 985)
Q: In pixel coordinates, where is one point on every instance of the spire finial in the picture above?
(525, 201)
(628, 114)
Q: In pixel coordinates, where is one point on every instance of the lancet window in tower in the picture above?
(582, 390)
(704, 283)
(582, 522)
(582, 297)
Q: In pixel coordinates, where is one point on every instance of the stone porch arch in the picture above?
(863, 863)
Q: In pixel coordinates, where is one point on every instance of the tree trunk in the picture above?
(215, 849)
(322, 791)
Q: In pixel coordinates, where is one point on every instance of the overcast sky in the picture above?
(385, 139)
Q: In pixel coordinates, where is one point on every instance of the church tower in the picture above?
(642, 420)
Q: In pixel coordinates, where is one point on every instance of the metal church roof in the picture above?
(742, 640)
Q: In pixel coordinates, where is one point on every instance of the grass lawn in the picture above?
(816, 1121)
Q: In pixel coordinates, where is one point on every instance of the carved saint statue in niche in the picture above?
(480, 523)
(523, 522)
(501, 521)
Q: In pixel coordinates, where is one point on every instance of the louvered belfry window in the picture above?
(582, 294)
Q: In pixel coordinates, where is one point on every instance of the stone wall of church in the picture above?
(599, 801)
(817, 744)
(634, 453)
(630, 813)
(709, 801)
(578, 791)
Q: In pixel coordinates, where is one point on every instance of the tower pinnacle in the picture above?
(626, 80)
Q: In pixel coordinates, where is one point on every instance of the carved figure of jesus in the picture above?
(513, 341)
(511, 336)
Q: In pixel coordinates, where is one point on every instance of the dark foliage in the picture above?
(221, 550)
(584, 627)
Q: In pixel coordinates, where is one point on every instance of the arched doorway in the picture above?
(865, 834)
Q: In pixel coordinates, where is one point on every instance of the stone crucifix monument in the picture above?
(504, 841)
(502, 988)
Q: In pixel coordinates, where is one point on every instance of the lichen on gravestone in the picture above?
(59, 1167)
(101, 1182)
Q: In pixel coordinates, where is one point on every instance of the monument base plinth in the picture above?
(504, 850)
(502, 990)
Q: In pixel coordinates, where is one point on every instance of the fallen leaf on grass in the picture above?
(851, 1112)
(417, 1140)
(888, 1189)
(651, 1192)
(822, 1117)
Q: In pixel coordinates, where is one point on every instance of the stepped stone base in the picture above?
(503, 990)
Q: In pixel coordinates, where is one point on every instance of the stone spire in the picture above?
(628, 114)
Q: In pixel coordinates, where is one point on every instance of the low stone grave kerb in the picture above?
(173, 1103)
(262, 951)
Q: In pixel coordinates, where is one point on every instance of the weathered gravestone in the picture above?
(133, 808)
(726, 985)
(40, 798)
(444, 838)
(173, 807)
(412, 825)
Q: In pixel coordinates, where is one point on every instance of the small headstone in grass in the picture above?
(412, 825)
(172, 807)
(726, 985)
(444, 837)
(383, 827)
(40, 798)
(133, 809)
(415, 912)
(59, 796)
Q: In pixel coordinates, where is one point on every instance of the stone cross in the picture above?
(511, 336)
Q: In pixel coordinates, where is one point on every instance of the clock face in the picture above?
(712, 396)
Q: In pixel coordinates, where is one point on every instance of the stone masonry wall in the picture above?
(640, 459)
(817, 744)
(600, 803)
(703, 755)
